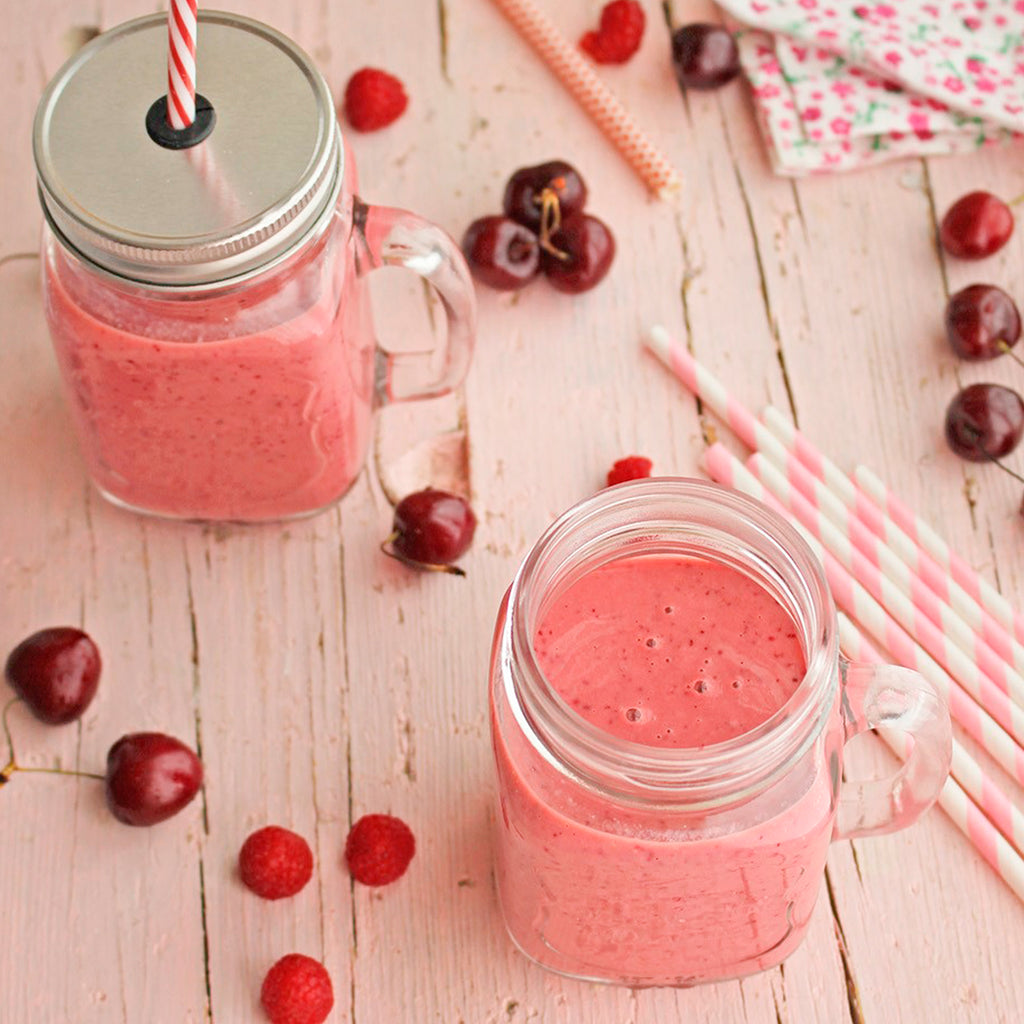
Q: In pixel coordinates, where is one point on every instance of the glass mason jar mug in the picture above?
(641, 862)
(207, 298)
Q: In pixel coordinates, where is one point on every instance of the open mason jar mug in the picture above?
(669, 708)
(206, 290)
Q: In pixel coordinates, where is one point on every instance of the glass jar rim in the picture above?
(699, 777)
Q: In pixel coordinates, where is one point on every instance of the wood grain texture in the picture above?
(323, 681)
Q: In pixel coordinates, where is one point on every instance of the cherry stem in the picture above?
(60, 771)
(12, 765)
(550, 222)
(1005, 469)
(1017, 201)
(1007, 351)
(976, 434)
(388, 549)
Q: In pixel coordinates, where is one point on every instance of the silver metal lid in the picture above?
(235, 202)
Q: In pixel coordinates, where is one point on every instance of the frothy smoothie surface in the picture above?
(670, 651)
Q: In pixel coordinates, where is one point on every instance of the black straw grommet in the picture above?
(174, 138)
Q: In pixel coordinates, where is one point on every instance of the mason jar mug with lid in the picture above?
(206, 291)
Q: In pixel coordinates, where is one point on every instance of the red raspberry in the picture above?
(619, 33)
(634, 467)
(297, 990)
(378, 849)
(275, 863)
(373, 99)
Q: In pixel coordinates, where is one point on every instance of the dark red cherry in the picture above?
(704, 56)
(984, 422)
(432, 528)
(527, 188)
(501, 253)
(579, 254)
(55, 672)
(976, 225)
(982, 322)
(150, 777)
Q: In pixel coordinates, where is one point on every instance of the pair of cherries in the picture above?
(543, 229)
(149, 776)
(982, 321)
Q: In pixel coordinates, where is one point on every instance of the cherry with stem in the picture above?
(431, 529)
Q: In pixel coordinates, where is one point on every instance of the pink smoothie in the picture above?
(248, 405)
(669, 652)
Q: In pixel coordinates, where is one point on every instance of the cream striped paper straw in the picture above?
(995, 804)
(969, 798)
(974, 631)
(181, 63)
(928, 540)
(1001, 704)
(861, 606)
(579, 77)
(933, 576)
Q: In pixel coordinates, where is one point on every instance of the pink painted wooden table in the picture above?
(323, 681)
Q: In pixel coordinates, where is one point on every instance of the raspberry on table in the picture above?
(297, 990)
(275, 862)
(378, 849)
(374, 99)
(633, 467)
(618, 35)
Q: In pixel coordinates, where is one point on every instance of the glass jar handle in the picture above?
(889, 697)
(389, 237)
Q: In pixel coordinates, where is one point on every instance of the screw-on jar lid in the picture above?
(237, 201)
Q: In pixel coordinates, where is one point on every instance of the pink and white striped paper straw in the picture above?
(181, 63)
(1003, 705)
(723, 467)
(886, 504)
(855, 600)
(1001, 857)
(579, 77)
(991, 625)
(976, 633)
(969, 798)
(820, 465)
(709, 389)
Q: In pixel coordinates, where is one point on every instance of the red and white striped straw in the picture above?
(974, 631)
(181, 63)
(855, 600)
(994, 619)
(579, 77)
(1001, 704)
(974, 803)
(886, 504)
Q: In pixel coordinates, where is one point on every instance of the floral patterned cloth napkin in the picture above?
(840, 84)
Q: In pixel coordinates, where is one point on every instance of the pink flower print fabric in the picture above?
(843, 84)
